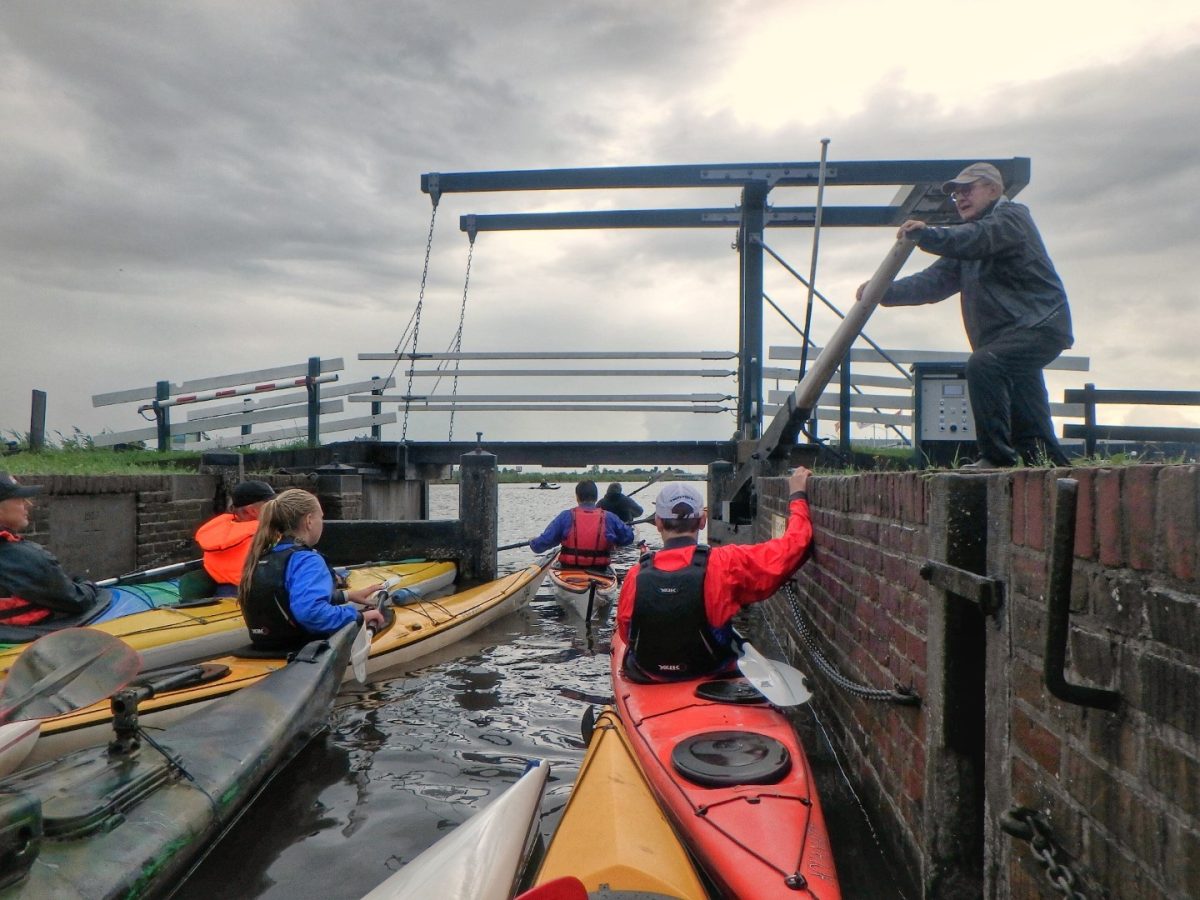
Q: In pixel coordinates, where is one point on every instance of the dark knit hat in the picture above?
(248, 492)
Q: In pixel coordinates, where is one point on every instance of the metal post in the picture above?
(844, 403)
(37, 421)
(162, 414)
(1089, 420)
(246, 404)
(314, 401)
(812, 267)
(377, 408)
(750, 350)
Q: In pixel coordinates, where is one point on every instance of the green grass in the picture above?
(75, 455)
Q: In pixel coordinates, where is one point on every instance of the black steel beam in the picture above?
(778, 174)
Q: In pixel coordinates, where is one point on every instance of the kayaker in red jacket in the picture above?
(677, 605)
(225, 539)
(34, 589)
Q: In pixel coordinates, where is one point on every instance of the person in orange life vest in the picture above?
(34, 589)
(587, 533)
(677, 605)
(225, 539)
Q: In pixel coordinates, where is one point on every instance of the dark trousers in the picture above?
(1009, 399)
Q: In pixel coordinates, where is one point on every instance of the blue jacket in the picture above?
(617, 532)
(310, 591)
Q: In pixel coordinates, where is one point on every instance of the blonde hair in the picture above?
(279, 517)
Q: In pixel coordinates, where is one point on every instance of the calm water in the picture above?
(414, 753)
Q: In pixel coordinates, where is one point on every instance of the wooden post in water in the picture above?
(477, 511)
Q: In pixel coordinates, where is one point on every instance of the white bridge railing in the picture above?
(297, 393)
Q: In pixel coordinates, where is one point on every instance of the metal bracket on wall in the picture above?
(987, 593)
(1058, 606)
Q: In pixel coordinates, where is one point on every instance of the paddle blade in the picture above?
(359, 651)
(64, 671)
(777, 681)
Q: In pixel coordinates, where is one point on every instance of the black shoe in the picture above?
(982, 464)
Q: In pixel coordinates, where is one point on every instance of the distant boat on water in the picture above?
(545, 486)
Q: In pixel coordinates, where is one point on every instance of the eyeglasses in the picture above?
(964, 190)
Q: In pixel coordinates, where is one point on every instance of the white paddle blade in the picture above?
(777, 681)
(359, 651)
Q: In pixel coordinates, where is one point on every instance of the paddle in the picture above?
(780, 683)
(591, 599)
(64, 671)
(513, 546)
(359, 651)
(650, 482)
(173, 569)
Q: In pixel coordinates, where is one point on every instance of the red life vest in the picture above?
(586, 544)
(17, 610)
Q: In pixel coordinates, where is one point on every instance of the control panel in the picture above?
(943, 424)
(946, 410)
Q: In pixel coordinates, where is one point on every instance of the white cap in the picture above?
(675, 494)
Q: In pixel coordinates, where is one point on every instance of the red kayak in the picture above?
(730, 772)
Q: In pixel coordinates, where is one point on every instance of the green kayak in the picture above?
(132, 819)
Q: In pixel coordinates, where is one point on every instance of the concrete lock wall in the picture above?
(1117, 792)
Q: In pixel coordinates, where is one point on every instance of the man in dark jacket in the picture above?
(622, 506)
(1014, 308)
(33, 586)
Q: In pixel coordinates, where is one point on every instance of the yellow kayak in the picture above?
(413, 630)
(172, 635)
(612, 832)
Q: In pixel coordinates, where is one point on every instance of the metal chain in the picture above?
(462, 314)
(899, 695)
(1028, 825)
(417, 322)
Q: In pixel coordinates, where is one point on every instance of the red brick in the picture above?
(1036, 512)
(1085, 515)
(1178, 490)
(1137, 502)
(1039, 743)
(1108, 517)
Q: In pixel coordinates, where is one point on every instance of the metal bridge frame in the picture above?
(919, 195)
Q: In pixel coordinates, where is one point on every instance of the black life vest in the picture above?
(670, 638)
(586, 545)
(266, 609)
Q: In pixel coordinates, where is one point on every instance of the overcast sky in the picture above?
(198, 189)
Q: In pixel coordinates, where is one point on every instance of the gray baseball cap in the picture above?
(979, 171)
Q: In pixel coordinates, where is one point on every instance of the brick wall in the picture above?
(1120, 790)
(105, 525)
(863, 593)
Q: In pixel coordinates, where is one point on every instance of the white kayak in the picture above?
(584, 590)
(483, 857)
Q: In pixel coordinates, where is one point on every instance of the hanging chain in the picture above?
(1028, 825)
(899, 695)
(462, 314)
(416, 323)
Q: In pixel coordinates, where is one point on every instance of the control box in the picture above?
(943, 424)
